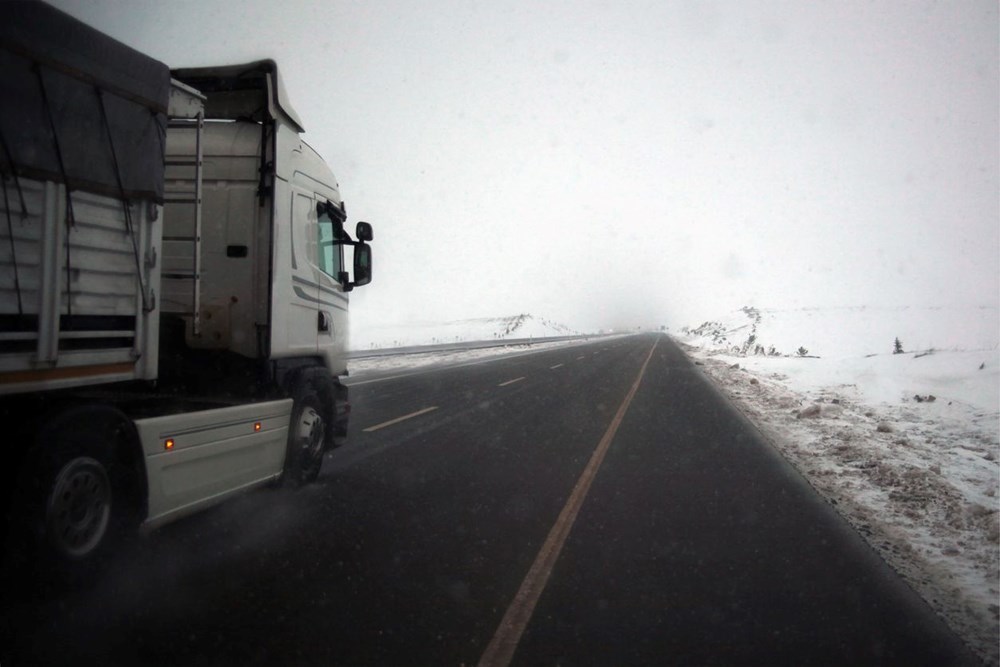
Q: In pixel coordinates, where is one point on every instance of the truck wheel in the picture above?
(306, 441)
(75, 491)
(78, 507)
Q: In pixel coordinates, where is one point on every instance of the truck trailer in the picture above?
(174, 289)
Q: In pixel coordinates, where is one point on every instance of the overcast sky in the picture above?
(622, 163)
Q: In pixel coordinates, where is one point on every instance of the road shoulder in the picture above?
(883, 484)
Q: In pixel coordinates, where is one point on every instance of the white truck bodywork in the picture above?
(213, 454)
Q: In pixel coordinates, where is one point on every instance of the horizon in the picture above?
(973, 327)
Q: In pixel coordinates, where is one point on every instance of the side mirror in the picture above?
(362, 259)
(364, 232)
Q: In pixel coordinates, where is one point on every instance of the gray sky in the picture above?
(621, 163)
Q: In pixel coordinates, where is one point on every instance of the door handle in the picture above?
(324, 322)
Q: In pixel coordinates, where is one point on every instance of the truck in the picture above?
(174, 289)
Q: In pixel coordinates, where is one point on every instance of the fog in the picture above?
(621, 164)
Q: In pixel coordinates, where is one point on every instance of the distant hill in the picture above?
(458, 331)
(848, 332)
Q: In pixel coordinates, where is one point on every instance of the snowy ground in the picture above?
(905, 445)
(390, 335)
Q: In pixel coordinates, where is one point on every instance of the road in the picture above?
(595, 504)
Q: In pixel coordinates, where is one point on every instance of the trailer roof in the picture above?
(70, 93)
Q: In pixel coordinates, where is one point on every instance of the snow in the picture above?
(906, 446)
(526, 333)
(389, 335)
(853, 332)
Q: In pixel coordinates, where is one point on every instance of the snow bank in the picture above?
(969, 378)
(905, 445)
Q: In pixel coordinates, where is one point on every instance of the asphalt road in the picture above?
(469, 520)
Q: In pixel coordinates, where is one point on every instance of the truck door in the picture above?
(332, 318)
(318, 306)
(301, 328)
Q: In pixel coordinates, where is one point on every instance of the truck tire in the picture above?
(306, 440)
(78, 507)
(76, 492)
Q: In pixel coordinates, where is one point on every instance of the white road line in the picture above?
(579, 358)
(501, 648)
(504, 384)
(554, 367)
(400, 419)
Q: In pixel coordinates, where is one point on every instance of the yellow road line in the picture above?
(504, 384)
(400, 419)
(501, 648)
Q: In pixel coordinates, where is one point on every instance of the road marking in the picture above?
(504, 384)
(400, 419)
(554, 367)
(579, 358)
(501, 648)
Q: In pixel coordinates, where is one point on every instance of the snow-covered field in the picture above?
(388, 335)
(519, 328)
(906, 445)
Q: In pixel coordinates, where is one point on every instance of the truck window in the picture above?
(329, 251)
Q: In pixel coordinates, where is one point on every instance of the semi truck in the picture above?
(174, 286)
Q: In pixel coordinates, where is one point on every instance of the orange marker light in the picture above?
(169, 444)
(256, 427)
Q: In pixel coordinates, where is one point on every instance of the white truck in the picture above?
(173, 290)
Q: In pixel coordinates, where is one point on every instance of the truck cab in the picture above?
(270, 283)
